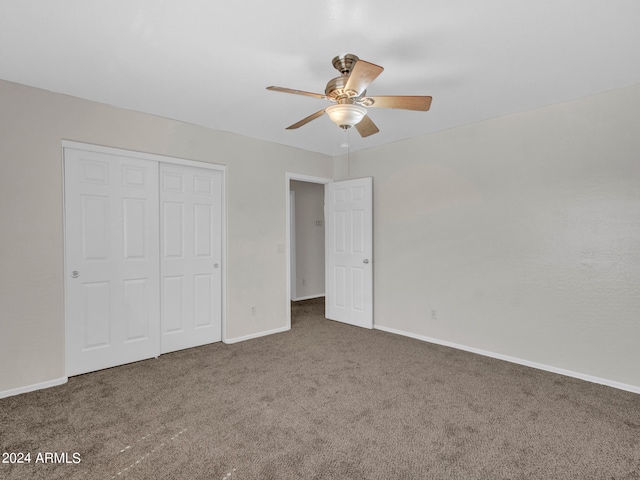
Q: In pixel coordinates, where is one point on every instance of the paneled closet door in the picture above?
(111, 260)
(190, 256)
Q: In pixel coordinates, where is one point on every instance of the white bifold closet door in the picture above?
(142, 258)
(191, 284)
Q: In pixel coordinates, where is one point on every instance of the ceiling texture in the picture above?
(207, 62)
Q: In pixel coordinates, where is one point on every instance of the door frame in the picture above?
(159, 159)
(292, 243)
(302, 178)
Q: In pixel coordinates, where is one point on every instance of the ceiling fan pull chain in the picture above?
(348, 154)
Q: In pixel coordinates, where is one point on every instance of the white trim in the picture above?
(34, 387)
(308, 297)
(308, 178)
(223, 253)
(256, 335)
(141, 155)
(519, 361)
(292, 244)
(302, 178)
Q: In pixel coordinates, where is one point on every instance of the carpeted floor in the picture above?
(323, 401)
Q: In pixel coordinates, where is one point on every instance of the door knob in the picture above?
(366, 260)
(215, 265)
(75, 274)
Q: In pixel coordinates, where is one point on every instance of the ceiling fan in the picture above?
(348, 92)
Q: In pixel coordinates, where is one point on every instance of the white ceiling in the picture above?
(208, 62)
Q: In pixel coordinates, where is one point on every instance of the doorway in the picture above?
(348, 221)
(305, 239)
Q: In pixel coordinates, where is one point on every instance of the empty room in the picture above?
(338, 239)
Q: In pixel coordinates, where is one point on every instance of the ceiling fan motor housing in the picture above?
(336, 90)
(336, 87)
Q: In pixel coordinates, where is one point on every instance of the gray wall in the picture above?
(309, 239)
(521, 232)
(33, 123)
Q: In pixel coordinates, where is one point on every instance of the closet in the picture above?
(143, 256)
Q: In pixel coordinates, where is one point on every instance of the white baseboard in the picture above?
(519, 361)
(230, 341)
(308, 297)
(507, 358)
(31, 388)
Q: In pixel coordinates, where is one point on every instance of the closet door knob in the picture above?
(366, 260)
(75, 274)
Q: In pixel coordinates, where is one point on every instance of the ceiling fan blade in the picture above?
(362, 75)
(298, 92)
(405, 103)
(366, 127)
(306, 120)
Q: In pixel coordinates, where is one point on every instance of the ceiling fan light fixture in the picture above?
(346, 115)
(349, 92)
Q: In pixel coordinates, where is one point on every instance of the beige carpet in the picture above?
(324, 401)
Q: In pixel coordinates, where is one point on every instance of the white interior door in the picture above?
(111, 260)
(191, 256)
(349, 248)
